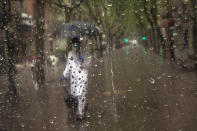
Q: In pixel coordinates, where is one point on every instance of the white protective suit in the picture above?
(77, 71)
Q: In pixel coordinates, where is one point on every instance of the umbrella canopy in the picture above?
(68, 31)
(76, 29)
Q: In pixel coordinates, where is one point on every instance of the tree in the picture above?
(151, 13)
(68, 7)
(194, 30)
(9, 46)
(4, 13)
(39, 44)
(110, 16)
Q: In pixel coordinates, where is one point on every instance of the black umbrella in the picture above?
(76, 29)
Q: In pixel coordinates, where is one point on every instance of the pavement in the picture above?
(130, 89)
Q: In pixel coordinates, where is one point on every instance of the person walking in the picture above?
(77, 72)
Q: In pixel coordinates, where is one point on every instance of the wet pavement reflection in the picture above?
(134, 90)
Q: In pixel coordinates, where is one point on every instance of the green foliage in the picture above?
(119, 17)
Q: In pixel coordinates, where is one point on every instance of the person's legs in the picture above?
(81, 105)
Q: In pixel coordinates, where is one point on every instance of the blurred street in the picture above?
(134, 60)
(130, 89)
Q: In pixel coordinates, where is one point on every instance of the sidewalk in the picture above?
(185, 58)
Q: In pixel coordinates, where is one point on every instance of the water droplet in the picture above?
(44, 127)
(88, 115)
(18, 115)
(167, 116)
(99, 116)
(152, 81)
(151, 48)
(87, 124)
(141, 9)
(1, 58)
(51, 121)
(165, 105)
(159, 77)
(109, 5)
(22, 125)
(73, 126)
(139, 80)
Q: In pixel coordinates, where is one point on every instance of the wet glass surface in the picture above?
(125, 65)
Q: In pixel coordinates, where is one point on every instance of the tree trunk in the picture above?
(171, 42)
(194, 30)
(11, 67)
(194, 33)
(39, 8)
(67, 14)
(151, 22)
(186, 43)
(153, 34)
(154, 39)
(10, 49)
(159, 37)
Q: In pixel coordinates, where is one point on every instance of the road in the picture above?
(130, 89)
